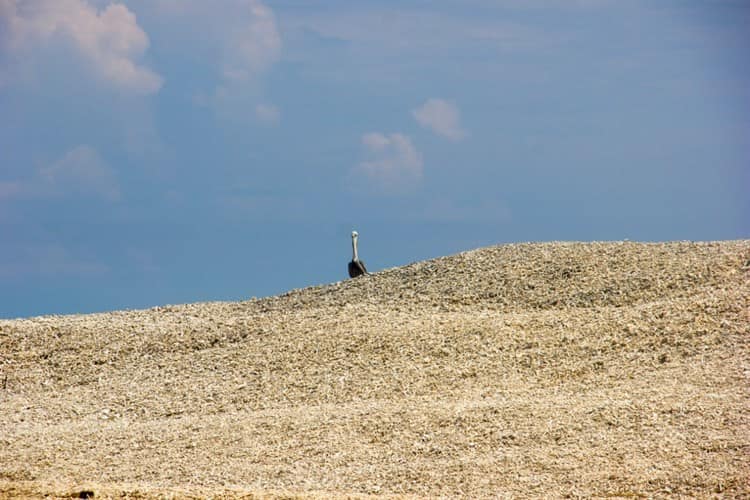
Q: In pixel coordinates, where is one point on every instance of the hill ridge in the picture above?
(543, 369)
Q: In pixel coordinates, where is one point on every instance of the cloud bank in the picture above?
(80, 171)
(253, 45)
(110, 40)
(243, 38)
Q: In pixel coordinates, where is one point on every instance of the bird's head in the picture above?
(354, 234)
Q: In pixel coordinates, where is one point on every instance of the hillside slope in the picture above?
(527, 370)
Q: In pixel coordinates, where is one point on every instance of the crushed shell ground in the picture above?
(528, 370)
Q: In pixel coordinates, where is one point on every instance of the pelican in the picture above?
(356, 266)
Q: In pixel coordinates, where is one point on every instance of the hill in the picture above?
(525, 370)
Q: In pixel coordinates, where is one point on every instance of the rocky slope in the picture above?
(527, 370)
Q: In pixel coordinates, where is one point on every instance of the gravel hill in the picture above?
(525, 370)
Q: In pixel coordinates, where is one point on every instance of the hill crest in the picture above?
(545, 369)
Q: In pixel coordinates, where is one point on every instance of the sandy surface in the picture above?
(557, 369)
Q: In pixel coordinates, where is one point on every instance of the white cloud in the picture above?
(243, 41)
(109, 40)
(442, 117)
(268, 113)
(80, 171)
(393, 164)
(252, 44)
(375, 141)
(240, 36)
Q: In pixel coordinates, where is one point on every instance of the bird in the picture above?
(356, 266)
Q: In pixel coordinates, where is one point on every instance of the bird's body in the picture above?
(356, 266)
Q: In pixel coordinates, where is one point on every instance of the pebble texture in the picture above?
(525, 370)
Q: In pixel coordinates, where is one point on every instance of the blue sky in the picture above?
(169, 151)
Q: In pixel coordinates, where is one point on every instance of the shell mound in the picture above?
(528, 370)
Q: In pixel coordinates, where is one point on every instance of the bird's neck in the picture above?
(354, 250)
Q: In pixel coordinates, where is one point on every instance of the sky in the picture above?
(159, 152)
